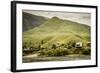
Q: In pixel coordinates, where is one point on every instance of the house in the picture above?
(78, 44)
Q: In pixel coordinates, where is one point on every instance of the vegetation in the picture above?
(30, 21)
(57, 37)
(54, 52)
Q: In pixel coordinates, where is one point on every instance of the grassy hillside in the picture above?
(30, 21)
(56, 30)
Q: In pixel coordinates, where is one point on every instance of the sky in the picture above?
(84, 18)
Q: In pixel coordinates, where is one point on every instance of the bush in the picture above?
(71, 44)
(54, 52)
(86, 52)
(78, 50)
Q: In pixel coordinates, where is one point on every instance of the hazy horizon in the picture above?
(84, 18)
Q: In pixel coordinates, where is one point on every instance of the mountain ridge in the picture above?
(30, 21)
(56, 24)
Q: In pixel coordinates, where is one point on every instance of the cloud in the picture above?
(84, 18)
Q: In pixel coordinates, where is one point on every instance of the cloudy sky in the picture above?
(84, 18)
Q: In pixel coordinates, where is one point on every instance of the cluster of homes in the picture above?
(59, 45)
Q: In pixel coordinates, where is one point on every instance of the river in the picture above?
(35, 58)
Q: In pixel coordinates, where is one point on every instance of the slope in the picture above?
(30, 21)
(56, 30)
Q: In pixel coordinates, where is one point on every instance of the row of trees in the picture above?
(56, 49)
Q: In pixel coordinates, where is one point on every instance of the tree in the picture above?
(42, 42)
(54, 46)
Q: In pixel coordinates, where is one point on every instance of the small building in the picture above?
(78, 44)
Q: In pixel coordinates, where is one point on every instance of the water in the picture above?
(28, 59)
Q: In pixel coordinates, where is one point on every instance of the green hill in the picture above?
(30, 21)
(56, 30)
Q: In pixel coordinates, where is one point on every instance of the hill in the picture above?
(30, 21)
(56, 30)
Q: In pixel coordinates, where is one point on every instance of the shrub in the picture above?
(86, 52)
(54, 52)
(78, 50)
(71, 44)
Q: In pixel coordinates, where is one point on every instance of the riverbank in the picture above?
(35, 58)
